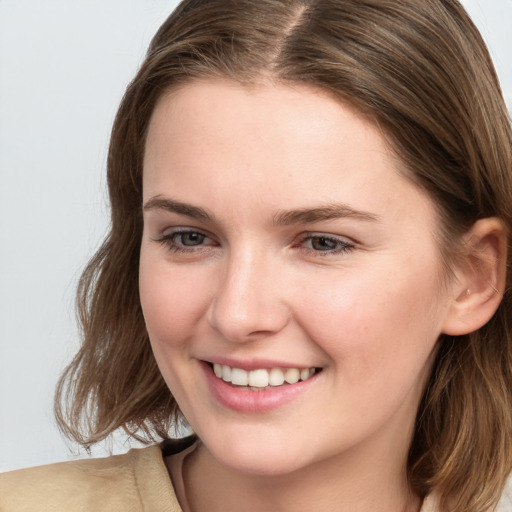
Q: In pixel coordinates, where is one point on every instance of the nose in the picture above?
(249, 300)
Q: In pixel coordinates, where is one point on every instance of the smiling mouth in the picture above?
(262, 379)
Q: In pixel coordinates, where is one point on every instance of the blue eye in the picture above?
(189, 239)
(326, 244)
(186, 240)
(323, 243)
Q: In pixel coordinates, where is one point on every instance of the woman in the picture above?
(307, 263)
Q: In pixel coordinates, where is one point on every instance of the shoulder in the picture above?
(505, 504)
(132, 482)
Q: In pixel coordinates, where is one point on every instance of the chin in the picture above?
(256, 455)
(256, 465)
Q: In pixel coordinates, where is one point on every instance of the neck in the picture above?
(344, 484)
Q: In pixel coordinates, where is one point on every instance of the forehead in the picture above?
(288, 145)
(263, 100)
(223, 119)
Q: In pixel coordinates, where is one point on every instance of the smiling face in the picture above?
(280, 242)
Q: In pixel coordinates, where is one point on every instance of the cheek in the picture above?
(172, 300)
(378, 323)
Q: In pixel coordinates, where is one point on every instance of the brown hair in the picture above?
(422, 72)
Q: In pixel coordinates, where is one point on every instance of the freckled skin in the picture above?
(368, 314)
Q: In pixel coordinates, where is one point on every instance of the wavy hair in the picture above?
(421, 71)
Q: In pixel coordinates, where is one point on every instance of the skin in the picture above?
(368, 313)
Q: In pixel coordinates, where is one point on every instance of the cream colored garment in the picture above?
(506, 498)
(134, 482)
(137, 481)
(505, 504)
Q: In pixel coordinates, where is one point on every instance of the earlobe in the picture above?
(478, 289)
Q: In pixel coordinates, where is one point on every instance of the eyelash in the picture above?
(341, 246)
(169, 240)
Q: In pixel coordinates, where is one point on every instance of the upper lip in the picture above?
(255, 364)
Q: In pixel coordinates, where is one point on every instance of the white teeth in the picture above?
(276, 377)
(258, 378)
(226, 373)
(262, 378)
(239, 377)
(304, 374)
(217, 369)
(292, 375)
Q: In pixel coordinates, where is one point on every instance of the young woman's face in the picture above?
(280, 242)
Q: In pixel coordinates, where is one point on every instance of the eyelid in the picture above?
(346, 244)
(343, 244)
(176, 230)
(168, 239)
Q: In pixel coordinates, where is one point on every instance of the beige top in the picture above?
(134, 482)
(137, 481)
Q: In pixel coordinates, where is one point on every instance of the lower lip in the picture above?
(246, 400)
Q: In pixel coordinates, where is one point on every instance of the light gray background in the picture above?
(63, 69)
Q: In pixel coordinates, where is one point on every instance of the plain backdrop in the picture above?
(64, 66)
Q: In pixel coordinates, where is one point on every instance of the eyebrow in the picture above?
(173, 206)
(282, 218)
(328, 212)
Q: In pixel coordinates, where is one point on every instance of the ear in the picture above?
(478, 288)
